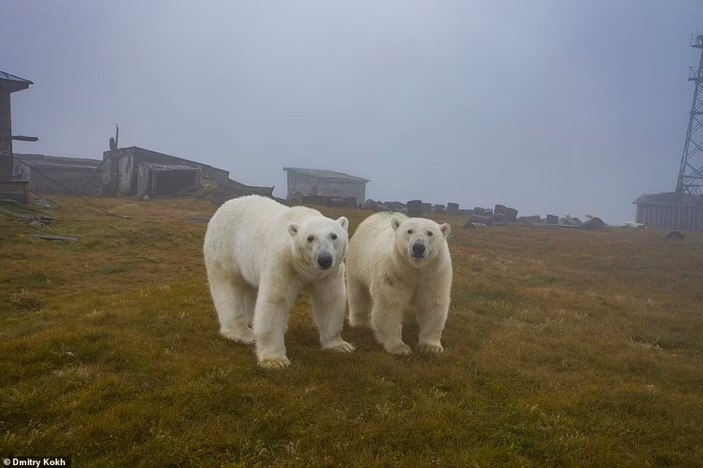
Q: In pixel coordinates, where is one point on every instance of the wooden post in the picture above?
(5, 131)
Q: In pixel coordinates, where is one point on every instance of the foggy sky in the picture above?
(549, 106)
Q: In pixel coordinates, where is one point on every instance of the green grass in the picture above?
(562, 348)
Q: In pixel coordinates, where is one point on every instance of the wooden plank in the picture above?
(54, 238)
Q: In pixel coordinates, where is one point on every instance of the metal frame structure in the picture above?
(12, 185)
(690, 179)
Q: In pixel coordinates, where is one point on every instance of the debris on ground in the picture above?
(674, 235)
(569, 220)
(502, 214)
(632, 224)
(534, 219)
(43, 203)
(552, 219)
(481, 219)
(32, 220)
(594, 223)
(52, 237)
(38, 221)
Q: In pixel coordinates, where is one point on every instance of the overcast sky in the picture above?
(549, 106)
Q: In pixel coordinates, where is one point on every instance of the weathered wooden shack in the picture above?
(137, 171)
(671, 210)
(304, 182)
(59, 175)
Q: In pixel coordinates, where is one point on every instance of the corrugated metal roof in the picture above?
(43, 159)
(670, 198)
(170, 167)
(174, 158)
(325, 174)
(14, 81)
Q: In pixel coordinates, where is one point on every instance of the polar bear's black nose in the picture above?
(418, 250)
(324, 260)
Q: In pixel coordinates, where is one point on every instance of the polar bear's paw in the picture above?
(399, 349)
(339, 346)
(274, 362)
(430, 348)
(240, 336)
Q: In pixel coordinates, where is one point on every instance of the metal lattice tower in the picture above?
(690, 179)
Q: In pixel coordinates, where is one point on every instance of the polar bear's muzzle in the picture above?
(325, 260)
(418, 250)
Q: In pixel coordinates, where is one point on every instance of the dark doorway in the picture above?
(175, 181)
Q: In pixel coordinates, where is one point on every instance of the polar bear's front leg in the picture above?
(329, 302)
(234, 302)
(387, 319)
(432, 308)
(273, 305)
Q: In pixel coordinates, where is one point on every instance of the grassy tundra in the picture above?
(561, 348)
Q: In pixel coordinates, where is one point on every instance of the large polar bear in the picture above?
(395, 262)
(259, 256)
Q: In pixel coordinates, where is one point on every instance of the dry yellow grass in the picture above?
(562, 348)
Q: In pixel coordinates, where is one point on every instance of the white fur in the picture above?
(259, 258)
(384, 279)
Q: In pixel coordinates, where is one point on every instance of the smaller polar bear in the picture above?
(259, 256)
(395, 262)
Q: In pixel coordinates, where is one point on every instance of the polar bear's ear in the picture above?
(395, 223)
(344, 222)
(292, 229)
(446, 229)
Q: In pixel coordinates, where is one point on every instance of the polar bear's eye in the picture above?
(333, 236)
(311, 238)
(410, 231)
(429, 233)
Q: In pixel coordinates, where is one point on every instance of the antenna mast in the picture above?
(690, 179)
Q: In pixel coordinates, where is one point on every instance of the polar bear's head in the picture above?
(419, 239)
(320, 242)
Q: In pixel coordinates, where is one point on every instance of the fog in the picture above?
(551, 107)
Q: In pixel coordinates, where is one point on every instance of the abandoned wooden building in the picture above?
(671, 210)
(58, 175)
(12, 184)
(323, 183)
(137, 171)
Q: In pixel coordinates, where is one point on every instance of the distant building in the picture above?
(137, 171)
(671, 211)
(58, 175)
(322, 183)
(682, 209)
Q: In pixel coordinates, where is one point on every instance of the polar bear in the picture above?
(259, 256)
(395, 262)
